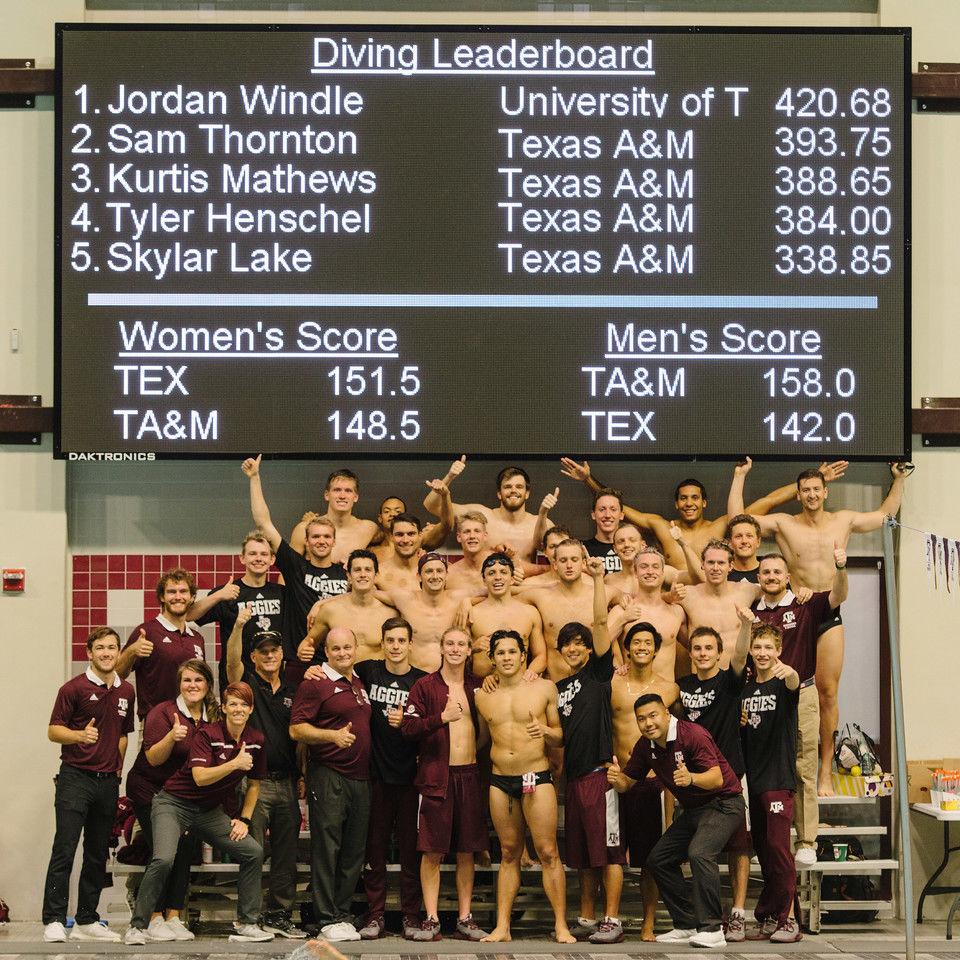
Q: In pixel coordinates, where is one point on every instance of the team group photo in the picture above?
(460, 683)
(478, 479)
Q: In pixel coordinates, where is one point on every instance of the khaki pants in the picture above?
(806, 815)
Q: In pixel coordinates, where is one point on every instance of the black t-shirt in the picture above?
(271, 716)
(770, 736)
(585, 715)
(751, 576)
(394, 758)
(266, 604)
(305, 585)
(597, 548)
(714, 704)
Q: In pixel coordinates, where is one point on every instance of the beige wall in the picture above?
(928, 621)
(32, 485)
(33, 528)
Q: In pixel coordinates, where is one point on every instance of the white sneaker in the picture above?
(55, 933)
(805, 857)
(711, 938)
(249, 933)
(676, 936)
(179, 929)
(339, 932)
(159, 932)
(135, 937)
(94, 931)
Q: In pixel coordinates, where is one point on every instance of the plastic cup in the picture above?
(840, 852)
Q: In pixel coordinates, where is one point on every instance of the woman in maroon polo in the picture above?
(168, 732)
(196, 799)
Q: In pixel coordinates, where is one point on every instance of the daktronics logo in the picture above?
(117, 457)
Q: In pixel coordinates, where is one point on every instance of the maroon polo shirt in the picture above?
(692, 744)
(422, 721)
(329, 704)
(212, 747)
(799, 623)
(144, 780)
(85, 698)
(157, 674)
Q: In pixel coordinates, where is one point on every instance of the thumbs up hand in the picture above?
(143, 646)
(89, 734)
(549, 502)
(229, 591)
(438, 487)
(453, 710)
(343, 738)
(394, 716)
(251, 466)
(682, 777)
(243, 760)
(839, 556)
(534, 727)
(614, 772)
(179, 730)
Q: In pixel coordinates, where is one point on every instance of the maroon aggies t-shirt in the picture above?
(86, 698)
(692, 744)
(157, 674)
(799, 623)
(332, 703)
(212, 747)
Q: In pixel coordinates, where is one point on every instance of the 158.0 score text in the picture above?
(810, 426)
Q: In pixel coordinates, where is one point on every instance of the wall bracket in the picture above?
(24, 419)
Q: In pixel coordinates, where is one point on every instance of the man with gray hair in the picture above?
(331, 715)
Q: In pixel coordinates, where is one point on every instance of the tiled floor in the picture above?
(882, 941)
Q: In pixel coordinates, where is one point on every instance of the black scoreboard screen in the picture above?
(663, 243)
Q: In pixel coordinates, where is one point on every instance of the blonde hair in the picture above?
(257, 536)
(473, 516)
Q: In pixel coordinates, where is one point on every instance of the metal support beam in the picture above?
(903, 807)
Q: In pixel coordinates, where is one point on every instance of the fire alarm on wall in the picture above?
(14, 579)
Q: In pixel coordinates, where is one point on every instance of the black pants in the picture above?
(698, 835)
(175, 892)
(84, 804)
(277, 817)
(339, 813)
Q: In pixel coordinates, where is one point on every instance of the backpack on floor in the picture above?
(836, 886)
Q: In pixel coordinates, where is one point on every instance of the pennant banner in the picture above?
(953, 561)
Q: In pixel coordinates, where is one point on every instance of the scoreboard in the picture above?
(665, 243)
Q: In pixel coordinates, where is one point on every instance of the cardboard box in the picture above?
(847, 785)
(920, 776)
(920, 779)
